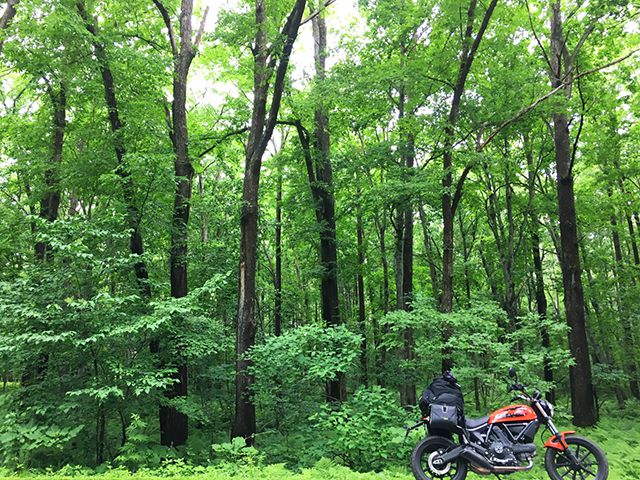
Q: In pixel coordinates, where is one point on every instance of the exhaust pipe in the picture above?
(478, 461)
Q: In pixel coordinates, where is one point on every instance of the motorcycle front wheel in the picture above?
(422, 461)
(591, 462)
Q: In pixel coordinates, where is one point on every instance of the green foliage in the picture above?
(290, 367)
(79, 377)
(237, 453)
(141, 448)
(365, 433)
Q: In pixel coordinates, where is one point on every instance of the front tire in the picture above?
(593, 464)
(423, 469)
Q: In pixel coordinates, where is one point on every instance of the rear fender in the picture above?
(558, 442)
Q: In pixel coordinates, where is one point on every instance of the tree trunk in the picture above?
(136, 244)
(429, 246)
(582, 394)
(277, 307)
(262, 125)
(408, 391)
(7, 16)
(322, 191)
(49, 205)
(50, 202)
(174, 425)
(451, 196)
(362, 319)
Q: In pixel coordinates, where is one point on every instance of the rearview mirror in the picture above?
(512, 373)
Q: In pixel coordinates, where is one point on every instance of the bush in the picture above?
(366, 432)
(291, 370)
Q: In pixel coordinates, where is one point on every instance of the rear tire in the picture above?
(594, 464)
(420, 465)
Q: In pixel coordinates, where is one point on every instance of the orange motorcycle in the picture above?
(502, 443)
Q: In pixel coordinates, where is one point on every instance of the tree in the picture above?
(7, 16)
(561, 70)
(451, 195)
(269, 60)
(174, 428)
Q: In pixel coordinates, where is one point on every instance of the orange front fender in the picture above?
(558, 442)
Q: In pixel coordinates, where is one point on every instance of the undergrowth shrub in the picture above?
(366, 432)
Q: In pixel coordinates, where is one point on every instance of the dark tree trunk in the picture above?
(627, 331)
(451, 196)
(382, 230)
(174, 425)
(582, 393)
(7, 16)
(49, 205)
(398, 257)
(408, 390)
(362, 316)
(321, 177)
(277, 308)
(429, 247)
(465, 257)
(379, 334)
(541, 298)
(541, 306)
(262, 125)
(50, 201)
(136, 244)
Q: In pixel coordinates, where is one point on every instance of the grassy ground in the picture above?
(620, 439)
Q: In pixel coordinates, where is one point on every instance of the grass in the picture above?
(618, 437)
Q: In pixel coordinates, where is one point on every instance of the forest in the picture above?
(240, 237)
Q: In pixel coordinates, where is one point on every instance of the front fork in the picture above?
(558, 442)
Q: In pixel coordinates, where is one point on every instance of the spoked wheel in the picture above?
(424, 454)
(590, 461)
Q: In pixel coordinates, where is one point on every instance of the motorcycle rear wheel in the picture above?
(593, 464)
(428, 448)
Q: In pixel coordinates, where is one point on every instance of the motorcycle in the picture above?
(502, 443)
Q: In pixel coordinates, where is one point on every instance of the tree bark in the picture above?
(7, 16)
(429, 246)
(451, 198)
(174, 425)
(50, 201)
(262, 125)
(321, 176)
(408, 390)
(582, 393)
(136, 243)
(362, 316)
(277, 307)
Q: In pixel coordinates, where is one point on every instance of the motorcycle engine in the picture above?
(501, 454)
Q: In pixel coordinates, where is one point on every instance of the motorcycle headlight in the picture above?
(548, 408)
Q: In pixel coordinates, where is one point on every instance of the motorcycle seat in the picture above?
(473, 423)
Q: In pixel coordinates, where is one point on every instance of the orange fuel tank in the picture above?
(513, 413)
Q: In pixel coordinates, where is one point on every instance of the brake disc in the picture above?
(443, 470)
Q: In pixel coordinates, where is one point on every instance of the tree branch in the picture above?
(198, 39)
(293, 24)
(167, 21)
(317, 12)
(222, 139)
(550, 94)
